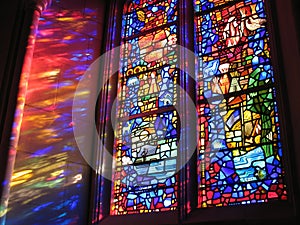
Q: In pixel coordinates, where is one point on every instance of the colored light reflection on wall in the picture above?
(50, 180)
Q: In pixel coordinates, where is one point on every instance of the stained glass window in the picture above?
(239, 152)
(145, 148)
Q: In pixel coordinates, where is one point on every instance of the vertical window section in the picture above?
(239, 154)
(146, 134)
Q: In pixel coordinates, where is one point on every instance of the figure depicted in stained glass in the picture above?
(146, 138)
(240, 151)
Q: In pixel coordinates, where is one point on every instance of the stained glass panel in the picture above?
(230, 26)
(145, 163)
(148, 91)
(240, 153)
(144, 15)
(146, 136)
(151, 50)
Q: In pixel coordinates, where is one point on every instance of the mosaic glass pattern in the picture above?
(240, 153)
(146, 136)
(203, 5)
(150, 50)
(145, 15)
(148, 91)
